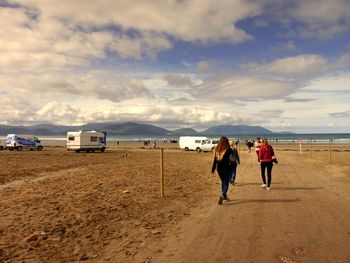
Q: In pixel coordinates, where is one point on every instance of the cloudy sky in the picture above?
(284, 65)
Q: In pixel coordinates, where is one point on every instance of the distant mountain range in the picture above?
(130, 128)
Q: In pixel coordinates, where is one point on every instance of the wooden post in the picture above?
(311, 149)
(161, 173)
(330, 152)
(300, 149)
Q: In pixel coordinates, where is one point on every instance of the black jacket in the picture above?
(235, 156)
(224, 165)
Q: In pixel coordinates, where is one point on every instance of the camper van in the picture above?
(20, 142)
(199, 144)
(88, 141)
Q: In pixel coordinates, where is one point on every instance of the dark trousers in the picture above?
(268, 166)
(233, 172)
(225, 180)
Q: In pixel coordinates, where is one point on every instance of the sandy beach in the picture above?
(60, 206)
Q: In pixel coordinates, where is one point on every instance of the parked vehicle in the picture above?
(20, 142)
(199, 144)
(88, 141)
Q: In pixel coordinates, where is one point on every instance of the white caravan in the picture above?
(88, 141)
(20, 142)
(199, 144)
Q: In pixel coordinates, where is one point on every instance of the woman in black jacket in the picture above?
(222, 164)
(234, 162)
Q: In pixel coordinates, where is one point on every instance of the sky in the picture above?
(282, 65)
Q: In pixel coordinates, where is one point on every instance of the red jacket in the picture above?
(266, 153)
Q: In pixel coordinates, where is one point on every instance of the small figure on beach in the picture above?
(257, 145)
(234, 158)
(266, 155)
(222, 164)
(250, 145)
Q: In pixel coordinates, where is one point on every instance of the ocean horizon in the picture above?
(275, 137)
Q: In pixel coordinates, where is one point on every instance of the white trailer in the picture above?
(88, 141)
(20, 142)
(199, 144)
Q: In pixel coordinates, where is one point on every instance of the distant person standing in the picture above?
(257, 145)
(234, 159)
(266, 154)
(222, 164)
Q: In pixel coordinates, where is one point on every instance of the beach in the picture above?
(60, 206)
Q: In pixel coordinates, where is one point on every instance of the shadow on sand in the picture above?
(246, 184)
(295, 188)
(236, 202)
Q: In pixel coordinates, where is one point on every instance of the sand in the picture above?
(59, 206)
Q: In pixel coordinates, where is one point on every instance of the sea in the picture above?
(337, 138)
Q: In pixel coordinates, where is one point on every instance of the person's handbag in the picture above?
(274, 159)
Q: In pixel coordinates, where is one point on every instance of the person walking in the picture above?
(234, 159)
(222, 164)
(266, 155)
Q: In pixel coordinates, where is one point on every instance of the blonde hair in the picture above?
(222, 147)
(232, 143)
(265, 141)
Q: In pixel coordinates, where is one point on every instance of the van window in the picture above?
(101, 139)
(93, 139)
(197, 141)
(71, 138)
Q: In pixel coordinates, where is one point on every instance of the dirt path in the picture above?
(65, 207)
(304, 218)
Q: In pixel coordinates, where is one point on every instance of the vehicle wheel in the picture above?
(103, 149)
(19, 148)
(186, 149)
(77, 151)
(198, 150)
(40, 148)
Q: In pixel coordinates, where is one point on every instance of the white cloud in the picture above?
(291, 67)
(181, 19)
(322, 18)
(244, 88)
(323, 11)
(340, 83)
(178, 80)
(204, 65)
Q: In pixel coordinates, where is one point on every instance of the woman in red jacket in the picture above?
(266, 154)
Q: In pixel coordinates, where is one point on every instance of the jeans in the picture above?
(233, 172)
(225, 180)
(263, 166)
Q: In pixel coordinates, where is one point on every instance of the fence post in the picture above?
(311, 149)
(300, 149)
(161, 172)
(330, 152)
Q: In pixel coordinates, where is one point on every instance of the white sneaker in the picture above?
(268, 188)
(263, 185)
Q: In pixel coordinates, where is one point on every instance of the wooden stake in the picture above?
(311, 149)
(161, 173)
(330, 152)
(300, 149)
